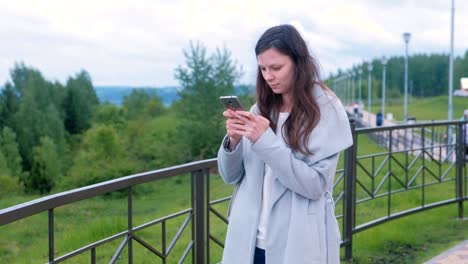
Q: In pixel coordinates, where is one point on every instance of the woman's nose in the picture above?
(268, 76)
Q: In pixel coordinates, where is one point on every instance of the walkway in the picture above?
(408, 139)
(456, 255)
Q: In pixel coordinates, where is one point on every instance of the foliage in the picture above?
(10, 186)
(79, 103)
(100, 158)
(9, 103)
(140, 104)
(9, 148)
(45, 168)
(109, 114)
(203, 79)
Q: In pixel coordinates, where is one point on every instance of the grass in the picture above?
(432, 108)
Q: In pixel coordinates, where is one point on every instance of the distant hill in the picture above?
(115, 94)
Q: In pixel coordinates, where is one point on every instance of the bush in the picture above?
(9, 185)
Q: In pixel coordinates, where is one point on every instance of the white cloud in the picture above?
(141, 42)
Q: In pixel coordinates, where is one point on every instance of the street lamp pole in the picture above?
(406, 38)
(360, 91)
(369, 92)
(384, 67)
(353, 96)
(450, 108)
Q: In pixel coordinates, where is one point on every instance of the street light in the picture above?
(406, 38)
(353, 97)
(450, 110)
(384, 68)
(369, 92)
(360, 92)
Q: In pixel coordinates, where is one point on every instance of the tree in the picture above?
(203, 79)
(9, 104)
(9, 147)
(8, 183)
(39, 114)
(80, 103)
(141, 104)
(45, 168)
(109, 114)
(100, 158)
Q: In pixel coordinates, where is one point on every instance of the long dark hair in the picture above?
(305, 112)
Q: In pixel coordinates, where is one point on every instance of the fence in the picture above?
(395, 170)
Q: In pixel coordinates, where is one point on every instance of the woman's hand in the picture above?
(249, 125)
(232, 120)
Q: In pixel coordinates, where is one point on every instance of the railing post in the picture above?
(199, 208)
(460, 156)
(51, 236)
(130, 224)
(350, 194)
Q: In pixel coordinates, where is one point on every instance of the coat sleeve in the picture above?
(308, 180)
(230, 163)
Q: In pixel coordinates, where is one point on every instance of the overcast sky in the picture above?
(140, 42)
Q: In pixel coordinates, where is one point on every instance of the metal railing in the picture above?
(397, 168)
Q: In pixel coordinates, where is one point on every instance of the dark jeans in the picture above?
(259, 257)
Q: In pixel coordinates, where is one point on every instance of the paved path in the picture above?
(407, 139)
(456, 255)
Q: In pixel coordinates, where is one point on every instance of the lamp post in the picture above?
(406, 38)
(369, 90)
(353, 97)
(450, 108)
(360, 92)
(384, 68)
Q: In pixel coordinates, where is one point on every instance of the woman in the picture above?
(282, 156)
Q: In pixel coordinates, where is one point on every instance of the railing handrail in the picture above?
(17, 212)
(362, 130)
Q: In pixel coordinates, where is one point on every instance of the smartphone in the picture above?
(231, 102)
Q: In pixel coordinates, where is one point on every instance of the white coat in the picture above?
(302, 227)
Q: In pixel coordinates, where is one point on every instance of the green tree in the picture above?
(40, 112)
(45, 168)
(109, 114)
(141, 104)
(80, 103)
(8, 183)
(9, 104)
(203, 79)
(100, 158)
(9, 147)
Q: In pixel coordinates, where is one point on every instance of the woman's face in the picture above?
(277, 70)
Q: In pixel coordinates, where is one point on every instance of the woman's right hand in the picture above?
(231, 120)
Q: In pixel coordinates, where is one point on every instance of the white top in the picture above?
(267, 185)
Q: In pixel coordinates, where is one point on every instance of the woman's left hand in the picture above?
(253, 125)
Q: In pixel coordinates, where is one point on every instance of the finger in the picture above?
(245, 117)
(244, 113)
(229, 114)
(237, 126)
(234, 121)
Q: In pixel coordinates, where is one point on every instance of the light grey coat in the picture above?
(302, 227)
